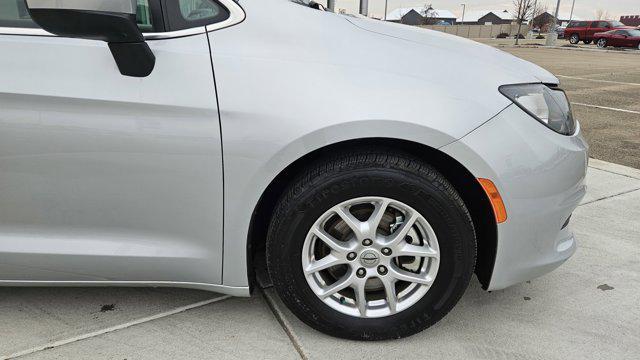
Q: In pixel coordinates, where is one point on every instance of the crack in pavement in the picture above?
(284, 323)
(126, 325)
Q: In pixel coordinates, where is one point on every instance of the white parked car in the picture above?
(375, 166)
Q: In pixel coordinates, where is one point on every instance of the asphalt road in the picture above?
(604, 88)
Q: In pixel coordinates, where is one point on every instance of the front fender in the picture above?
(251, 167)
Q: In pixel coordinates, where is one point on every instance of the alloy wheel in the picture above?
(370, 257)
(602, 43)
(574, 39)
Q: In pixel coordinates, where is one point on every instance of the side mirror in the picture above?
(112, 21)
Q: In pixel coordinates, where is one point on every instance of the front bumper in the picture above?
(541, 177)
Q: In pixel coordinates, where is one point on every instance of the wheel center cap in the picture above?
(369, 258)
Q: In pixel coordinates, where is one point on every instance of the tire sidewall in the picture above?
(450, 222)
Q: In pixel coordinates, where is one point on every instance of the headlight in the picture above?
(548, 105)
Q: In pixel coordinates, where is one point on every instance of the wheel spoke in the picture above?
(322, 264)
(398, 236)
(390, 291)
(361, 297)
(417, 251)
(376, 217)
(341, 284)
(353, 223)
(403, 275)
(335, 245)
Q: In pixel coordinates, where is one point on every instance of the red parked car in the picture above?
(584, 31)
(619, 38)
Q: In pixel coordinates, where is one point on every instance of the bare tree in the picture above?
(602, 14)
(429, 15)
(524, 10)
(541, 23)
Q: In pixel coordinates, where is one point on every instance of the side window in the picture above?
(14, 13)
(603, 24)
(143, 16)
(185, 14)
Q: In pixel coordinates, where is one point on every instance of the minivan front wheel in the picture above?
(371, 245)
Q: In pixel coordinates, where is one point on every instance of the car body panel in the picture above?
(541, 177)
(105, 177)
(460, 57)
(309, 88)
(615, 39)
(285, 89)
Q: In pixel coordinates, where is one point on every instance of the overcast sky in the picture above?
(584, 9)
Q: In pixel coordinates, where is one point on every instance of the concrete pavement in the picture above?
(588, 308)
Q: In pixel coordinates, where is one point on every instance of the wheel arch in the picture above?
(464, 182)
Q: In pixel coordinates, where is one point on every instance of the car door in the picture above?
(627, 39)
(584, 29)
(617, 38)
(596, 27)
(105, 177)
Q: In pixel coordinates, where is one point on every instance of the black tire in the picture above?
(574, 39)
(371, 172)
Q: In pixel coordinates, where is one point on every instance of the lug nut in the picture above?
(351, 256)
(361, 272)
(382, 270)
(386, 251)
(367, 242)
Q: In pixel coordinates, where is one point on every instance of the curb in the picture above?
(614, 168)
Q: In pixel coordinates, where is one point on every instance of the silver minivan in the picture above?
(376, 167)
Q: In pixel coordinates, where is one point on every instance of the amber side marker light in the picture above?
(496, 200)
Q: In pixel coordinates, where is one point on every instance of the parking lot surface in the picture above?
(588, 308)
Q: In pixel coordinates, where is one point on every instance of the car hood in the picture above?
(460, 51)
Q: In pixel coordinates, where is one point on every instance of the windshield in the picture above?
(634, 32)
(616, 24)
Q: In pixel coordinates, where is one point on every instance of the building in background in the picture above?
(630, 20)
(421, 15)
(487, 17)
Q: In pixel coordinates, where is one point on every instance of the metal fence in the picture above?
(479, 31)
